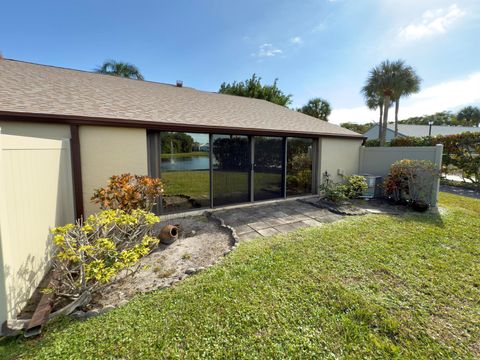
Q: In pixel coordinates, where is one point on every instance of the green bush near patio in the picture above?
(375, 286)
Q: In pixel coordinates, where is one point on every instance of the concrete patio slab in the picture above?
(242, 229)
(274, 221)
(312, 222)
(249, 236)
(271, 219)
(299, 225)
(259, 225)
(268, 232)
(285, 228)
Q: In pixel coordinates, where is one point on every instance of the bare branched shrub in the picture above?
(95, 252)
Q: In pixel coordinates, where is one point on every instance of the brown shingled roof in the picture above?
(58, 92)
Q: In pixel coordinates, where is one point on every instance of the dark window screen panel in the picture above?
(299, 166)
(231, 169)
(268, 167)
(185, 171)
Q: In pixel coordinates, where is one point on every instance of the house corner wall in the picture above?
(338, 157)
(107, 151)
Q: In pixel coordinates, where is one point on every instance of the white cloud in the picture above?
(267, 50)
(297, 40)
(432, 22)
(445, 96)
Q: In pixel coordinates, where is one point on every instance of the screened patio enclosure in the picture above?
(202, 170)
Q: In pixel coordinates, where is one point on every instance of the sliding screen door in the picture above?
(269, 153)
(299, 166)
(182, 161)
(230, 169)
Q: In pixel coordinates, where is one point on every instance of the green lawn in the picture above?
(192, 183)
(374, 286)
(196, 184)
(183, 155)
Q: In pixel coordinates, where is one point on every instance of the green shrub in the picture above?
(372, 143)
(352, 188)
(355, 186)
(410, 180)
(332, 191)
(92, 253)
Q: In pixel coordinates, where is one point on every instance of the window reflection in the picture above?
(231, 169)
(268, 174)
(185, 170)
(299, 166)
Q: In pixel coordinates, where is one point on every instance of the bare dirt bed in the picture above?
(200, 244)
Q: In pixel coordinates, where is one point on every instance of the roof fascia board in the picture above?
(83, 120)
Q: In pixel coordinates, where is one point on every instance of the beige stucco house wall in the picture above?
(339, 157)
(107, 151)
(37, 130)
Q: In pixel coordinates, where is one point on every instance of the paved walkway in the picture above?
(274, 218)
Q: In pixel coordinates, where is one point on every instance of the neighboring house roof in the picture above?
(58, 92)
(422, 130)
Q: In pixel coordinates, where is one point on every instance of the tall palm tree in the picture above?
(374, 102)
(408, 83)
(383, 81)
(121, 69)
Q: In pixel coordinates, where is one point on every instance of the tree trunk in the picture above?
(397, 105)
(380, 127)
(386, 105)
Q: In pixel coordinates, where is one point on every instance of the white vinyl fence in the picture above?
(377, 160)
(36, 194)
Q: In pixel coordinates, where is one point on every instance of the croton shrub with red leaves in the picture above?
(410, 180)
(128, 192)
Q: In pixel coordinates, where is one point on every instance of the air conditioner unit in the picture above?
(374, 189)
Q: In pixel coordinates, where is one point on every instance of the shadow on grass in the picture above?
(430, 217)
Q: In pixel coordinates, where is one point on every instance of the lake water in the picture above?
(185, 163)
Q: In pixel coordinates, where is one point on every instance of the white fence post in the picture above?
(438, 165)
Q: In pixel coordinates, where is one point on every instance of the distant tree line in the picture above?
(176, 142)
(468, 116)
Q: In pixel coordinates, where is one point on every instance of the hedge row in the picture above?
(460, 150)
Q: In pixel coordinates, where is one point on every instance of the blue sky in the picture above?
(315, 47)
